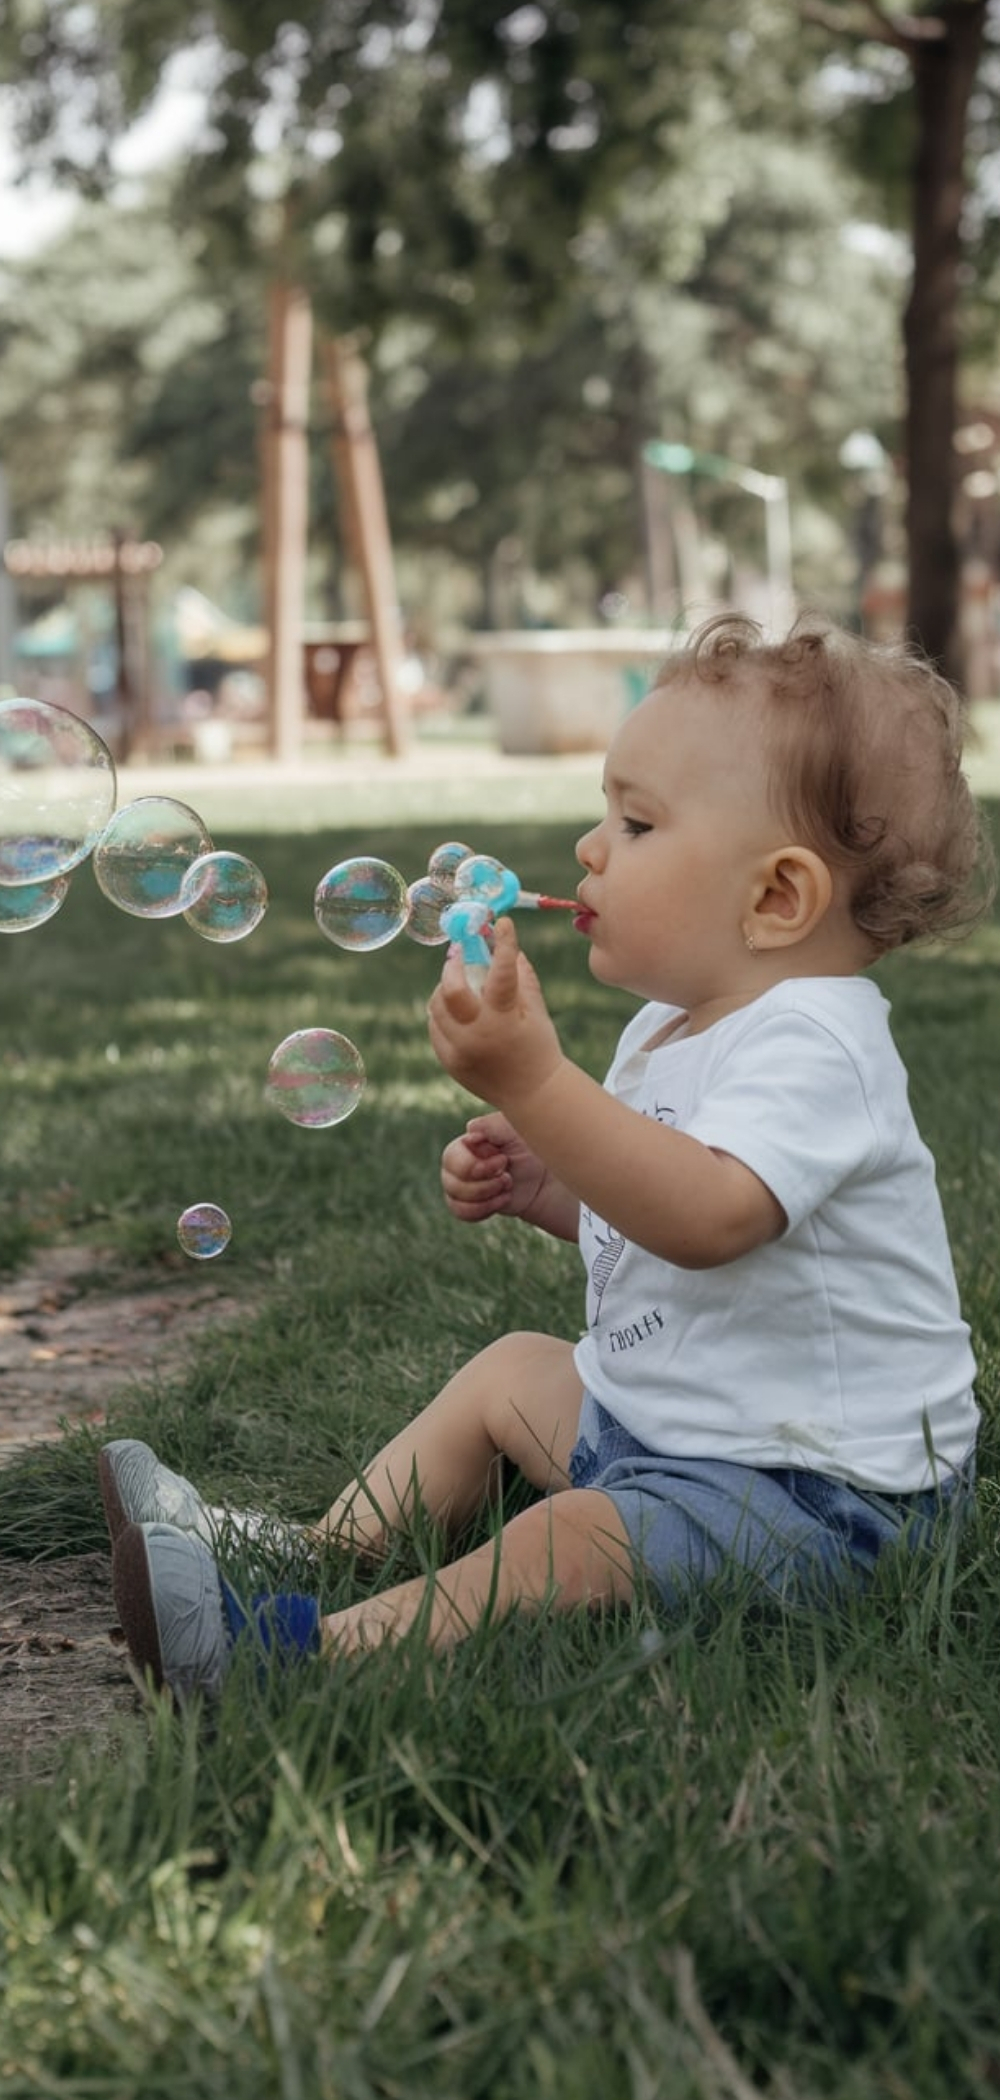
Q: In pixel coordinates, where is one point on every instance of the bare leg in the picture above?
(573, 1549)
(518, 1399)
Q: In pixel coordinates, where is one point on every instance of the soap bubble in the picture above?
(223, 896)
(144, 854)
(361, 904)
(445, 859)
(483, 877)
(29, 904)
(204, 1231)
(428, 899)
(57, 790)
(315, 1078)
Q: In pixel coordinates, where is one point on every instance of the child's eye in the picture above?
(632, 826)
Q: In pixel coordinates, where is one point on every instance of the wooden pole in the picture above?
(286, 509)
(366, 525)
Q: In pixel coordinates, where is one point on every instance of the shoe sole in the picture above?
(115, 1512)
(133, 1595)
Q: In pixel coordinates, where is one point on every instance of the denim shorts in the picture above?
(800, 1533)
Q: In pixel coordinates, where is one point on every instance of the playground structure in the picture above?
(303, 670)
(284, 402)
(547, 689)
(124, 567)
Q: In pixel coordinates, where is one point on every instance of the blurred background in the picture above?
(421, 362)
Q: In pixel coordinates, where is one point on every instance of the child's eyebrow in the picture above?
(623, 784)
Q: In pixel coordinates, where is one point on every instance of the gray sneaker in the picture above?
(169, 1600)
(137, 1489)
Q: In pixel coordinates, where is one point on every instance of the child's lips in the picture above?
(585, 919)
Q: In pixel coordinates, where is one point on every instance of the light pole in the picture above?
(773, 492)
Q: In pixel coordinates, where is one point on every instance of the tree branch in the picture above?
(871, 20)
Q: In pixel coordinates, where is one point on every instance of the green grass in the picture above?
(704, 1858)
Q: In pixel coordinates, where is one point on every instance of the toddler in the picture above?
(775, 1373)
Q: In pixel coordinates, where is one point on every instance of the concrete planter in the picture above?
(566, 689)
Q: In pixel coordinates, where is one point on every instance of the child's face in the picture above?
(669, 870)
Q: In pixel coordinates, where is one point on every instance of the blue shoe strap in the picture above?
(283, 1621)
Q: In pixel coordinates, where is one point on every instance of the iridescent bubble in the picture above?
(483, 877)
(428, 899)
(204, 1231)
(57, 790)
(223, 896)
(144, 854)
(361, 904)
(29, 904)
(445, 859)
(315, 1078)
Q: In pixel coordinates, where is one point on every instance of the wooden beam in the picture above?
(366, 525)
(286, 509)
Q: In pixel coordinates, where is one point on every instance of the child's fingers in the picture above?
(501, 988)
(453, 991)
(489, 1128)
(483, 1148)
(469, 1213)
(484, 1176)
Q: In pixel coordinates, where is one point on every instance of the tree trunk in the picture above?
(944, 72)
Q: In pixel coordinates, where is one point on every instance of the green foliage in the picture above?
(125, 375)
(561, 231)
(718, 1853)
(711, 297)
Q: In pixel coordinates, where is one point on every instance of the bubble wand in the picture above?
(487, 880)
(465, 923)
(483, 889)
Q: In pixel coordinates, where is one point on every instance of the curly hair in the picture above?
(863, 742)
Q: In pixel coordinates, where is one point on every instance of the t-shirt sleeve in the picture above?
(789, 1101)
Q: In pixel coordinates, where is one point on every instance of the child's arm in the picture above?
(490, 1172)
(660, 1188)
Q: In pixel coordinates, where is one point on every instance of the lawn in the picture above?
(714, 1856)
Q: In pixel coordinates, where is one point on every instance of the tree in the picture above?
(129, 407)
(751, 329)
(943, 50)
(476, 170)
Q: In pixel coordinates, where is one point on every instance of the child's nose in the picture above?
(588, 847)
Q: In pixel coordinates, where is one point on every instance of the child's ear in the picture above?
(791, 893)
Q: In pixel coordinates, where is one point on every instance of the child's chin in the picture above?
(601, 966)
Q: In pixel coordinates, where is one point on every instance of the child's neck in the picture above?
(842, 953)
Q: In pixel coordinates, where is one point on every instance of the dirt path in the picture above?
(66, 1349)
(66, 1346)
(63, 1673)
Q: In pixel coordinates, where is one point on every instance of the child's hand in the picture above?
(503, 1045)
(489, 1172)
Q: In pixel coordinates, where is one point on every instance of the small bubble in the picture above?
(315, 1078)
(428, 899)
(57, 790)
(361, 904)
(143, 855)
(203, 1231)
(223, 896)
(28, 904)
(446, 858)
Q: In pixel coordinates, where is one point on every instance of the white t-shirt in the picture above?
(838, 1347)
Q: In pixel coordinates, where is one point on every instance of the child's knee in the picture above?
(581, 1542)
